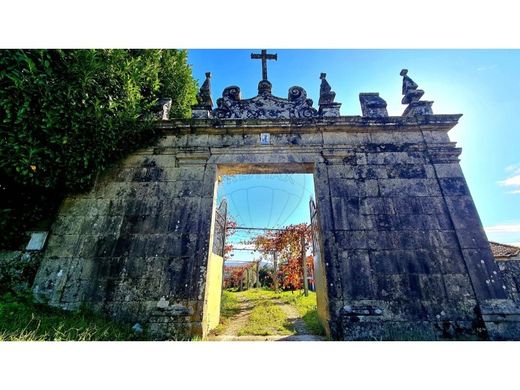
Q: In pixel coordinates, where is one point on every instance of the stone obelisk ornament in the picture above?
(204, 102)
(412, 97)
(327, 105)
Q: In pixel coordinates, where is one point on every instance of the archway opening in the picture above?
(265, 279)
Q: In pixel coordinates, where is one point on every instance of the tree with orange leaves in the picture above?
(230, 230)
(286, 244)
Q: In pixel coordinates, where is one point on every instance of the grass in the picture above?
(21, 319)
(266, 317)
(306, 306)
(229, 307)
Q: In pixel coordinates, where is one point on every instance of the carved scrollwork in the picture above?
(264, 105)
(297, 94)
(232, 93)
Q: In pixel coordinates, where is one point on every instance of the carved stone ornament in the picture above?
(328, 108)
(202, 109)
(162, 109)
(204, 95)
(326, 94)
(264, 105)
(412, 97)
(372, 106)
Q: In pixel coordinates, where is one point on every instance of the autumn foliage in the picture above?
(287, 244)
(233, 275)
(230, 230)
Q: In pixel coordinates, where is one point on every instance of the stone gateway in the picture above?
(399, 249)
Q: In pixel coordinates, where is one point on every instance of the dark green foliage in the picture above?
(23, 320)
(17, 270)
(66, 115)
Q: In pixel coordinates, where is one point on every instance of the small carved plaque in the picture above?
(37, 241)
(265, 139)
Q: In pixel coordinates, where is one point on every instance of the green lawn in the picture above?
(23, 320)
(267, 318)
(307, 308)
(229, 307)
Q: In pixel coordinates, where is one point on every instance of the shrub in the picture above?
(66, 115)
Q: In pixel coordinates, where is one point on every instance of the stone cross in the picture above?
(264, 57)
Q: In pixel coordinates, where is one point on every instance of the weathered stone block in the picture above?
(462, 211)
(453, 186)
(407, 171)
(448, 170)
(356, 268)
(458, 287)
(450, 260)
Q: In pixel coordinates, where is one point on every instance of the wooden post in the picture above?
(258, 274)
(304, 265)
(275, 276)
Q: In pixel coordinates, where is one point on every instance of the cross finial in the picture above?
(264, 57)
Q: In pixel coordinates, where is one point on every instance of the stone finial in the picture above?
(327, 106)
(372, 106)
(410, 91)
(162, 109)
(204, 95)
(264, 87)
(412, 97)
(204, 102)
(326, 94)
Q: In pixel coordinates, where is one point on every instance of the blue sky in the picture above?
(264, 201)
(484, 85)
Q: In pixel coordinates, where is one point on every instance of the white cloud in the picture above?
(486, 67)
(513, 167)
(513, 180)
(242, 246)
(513, 228)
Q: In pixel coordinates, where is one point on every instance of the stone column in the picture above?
(498, 312)
(330, 297)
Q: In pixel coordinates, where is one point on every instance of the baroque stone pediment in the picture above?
(264, 105)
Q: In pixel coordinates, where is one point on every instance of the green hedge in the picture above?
(65, 115)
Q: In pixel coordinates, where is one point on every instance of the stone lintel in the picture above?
(344, 123)
(244, 168)
(195, 157)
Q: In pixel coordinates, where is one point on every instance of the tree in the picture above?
(237, 276)
(286, 244)
(230, 230)
(66, 115)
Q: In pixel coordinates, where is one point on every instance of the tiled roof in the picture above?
(503, 250)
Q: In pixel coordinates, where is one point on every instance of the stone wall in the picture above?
(136, 246)
(404, 252)
(510, 269)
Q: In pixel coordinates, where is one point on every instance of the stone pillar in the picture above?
(328, 282)
(499, 313)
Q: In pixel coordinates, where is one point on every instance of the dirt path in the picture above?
(239, 321)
